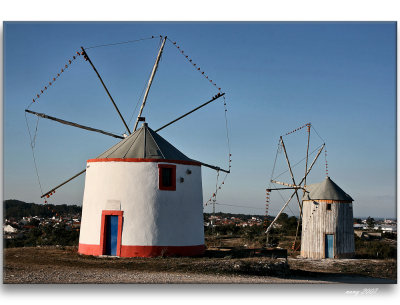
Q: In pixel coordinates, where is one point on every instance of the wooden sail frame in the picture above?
(85, 55)
(292, 186)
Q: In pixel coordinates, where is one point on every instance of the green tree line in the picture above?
(18, 209)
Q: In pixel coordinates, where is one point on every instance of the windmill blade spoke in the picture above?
(215, 167)
(312, 164)
(86, 56)
(197, 108)
(291, 172)
(287, 188)
(65, 182)
(286, 184)
(280, 212)
(153, 73)
(308, 146)
(298, 199)
(290, 198)
(45, 116)
(304, 190)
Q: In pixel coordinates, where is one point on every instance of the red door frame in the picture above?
(103, 230)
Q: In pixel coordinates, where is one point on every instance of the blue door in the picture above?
(111, 235)
(329, 245)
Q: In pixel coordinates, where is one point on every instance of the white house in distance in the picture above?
(142, 198)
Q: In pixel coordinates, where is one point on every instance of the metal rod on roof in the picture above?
(109, 95)
(197, 108)
(153, 72)
(45, 116)
(60, 185)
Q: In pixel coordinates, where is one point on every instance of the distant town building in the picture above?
(368, 235)
(9, 229)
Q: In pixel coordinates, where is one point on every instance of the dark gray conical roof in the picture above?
(326, 190)
(144, 143)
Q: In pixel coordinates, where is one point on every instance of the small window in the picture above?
(167, 177)
(329, 207)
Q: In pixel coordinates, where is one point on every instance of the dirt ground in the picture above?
(64, 265)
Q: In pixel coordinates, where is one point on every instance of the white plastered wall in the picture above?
(152, 217)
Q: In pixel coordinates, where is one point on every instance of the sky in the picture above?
(277, 76)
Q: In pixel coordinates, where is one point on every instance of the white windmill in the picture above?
(142, 197)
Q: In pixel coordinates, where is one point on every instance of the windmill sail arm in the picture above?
(286, 184)
(290, 169)
(153, 73)
(191, 111)
(65, 182)
(45, 116)
(279, 214)
(215, 167)
(290, 198)
(86, 56)
(287, 188)
(312, 164)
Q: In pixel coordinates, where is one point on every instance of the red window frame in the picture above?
(173, 178)
(103, 230)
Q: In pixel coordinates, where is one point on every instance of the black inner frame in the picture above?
(166, 174)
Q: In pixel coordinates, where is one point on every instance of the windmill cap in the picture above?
(144, 143)
(326, 190)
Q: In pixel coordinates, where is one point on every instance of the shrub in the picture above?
(374, 249)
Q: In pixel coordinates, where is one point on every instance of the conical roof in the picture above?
(326, 190)
(144, 143)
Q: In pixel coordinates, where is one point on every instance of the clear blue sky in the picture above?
(341, 77)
